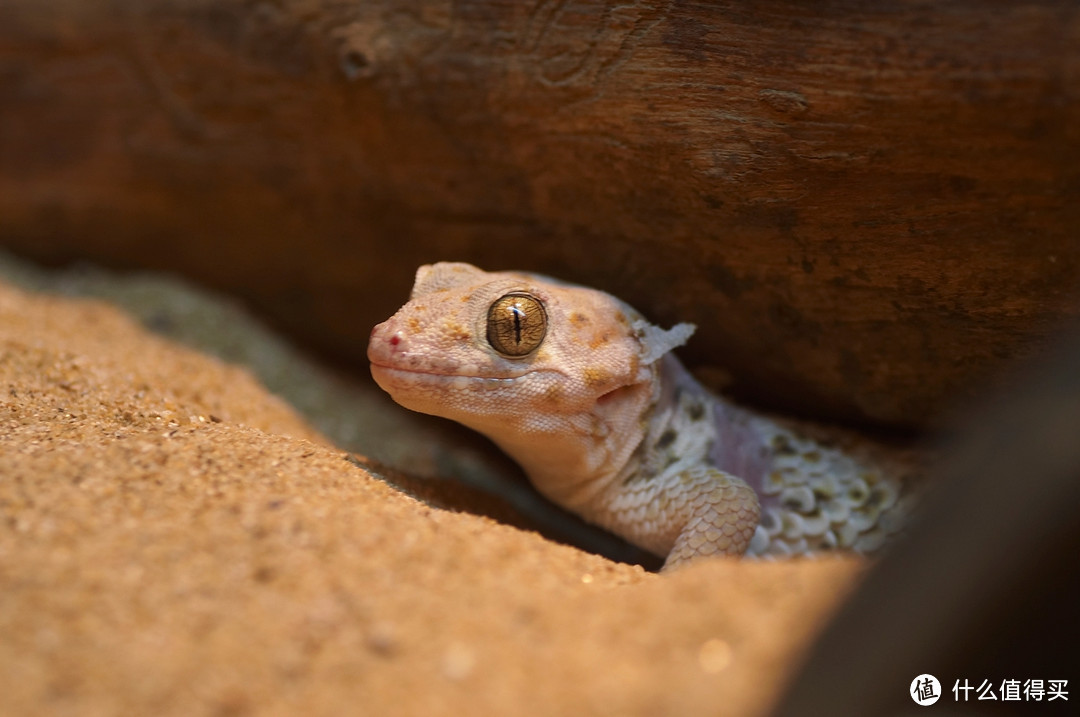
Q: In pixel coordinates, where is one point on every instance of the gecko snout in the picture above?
(384, 342)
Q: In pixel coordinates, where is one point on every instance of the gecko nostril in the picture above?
(395, 340)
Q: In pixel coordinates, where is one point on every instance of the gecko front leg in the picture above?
(686, 513)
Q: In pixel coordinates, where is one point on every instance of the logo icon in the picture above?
(925, 690)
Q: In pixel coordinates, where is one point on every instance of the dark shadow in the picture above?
(985, 586)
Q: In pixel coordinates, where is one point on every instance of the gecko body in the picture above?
(583, 392)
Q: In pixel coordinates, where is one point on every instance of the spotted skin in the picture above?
(585, 395)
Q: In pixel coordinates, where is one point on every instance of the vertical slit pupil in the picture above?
(517, 313)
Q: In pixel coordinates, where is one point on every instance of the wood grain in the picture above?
(868, 208)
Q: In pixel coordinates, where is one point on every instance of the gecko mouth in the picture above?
(415, 376)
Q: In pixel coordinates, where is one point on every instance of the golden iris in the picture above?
(516, 324)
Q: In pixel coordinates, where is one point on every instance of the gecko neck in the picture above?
(688, 425)
(659, 425)
(581, 456)
(679, 430)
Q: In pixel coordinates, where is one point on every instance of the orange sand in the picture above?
(176, 540)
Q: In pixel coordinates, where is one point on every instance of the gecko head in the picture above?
(510, 354)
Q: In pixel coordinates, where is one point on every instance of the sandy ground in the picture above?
(175, 539)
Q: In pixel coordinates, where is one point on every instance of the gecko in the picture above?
(586, 395)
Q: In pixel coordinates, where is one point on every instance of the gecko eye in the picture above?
(516, 324)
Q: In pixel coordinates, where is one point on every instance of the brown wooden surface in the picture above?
(867, 207)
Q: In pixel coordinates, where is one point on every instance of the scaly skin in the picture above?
(581, 391)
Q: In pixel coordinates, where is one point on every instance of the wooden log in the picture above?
(867, 207)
